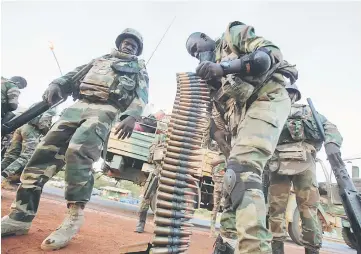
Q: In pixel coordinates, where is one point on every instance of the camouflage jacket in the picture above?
(300, 140)
(239, 40)
(301, 126)
(116, 78)
(23, 143)
(9, 96)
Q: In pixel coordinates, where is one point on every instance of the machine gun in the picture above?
(350, 197)
(39, 108)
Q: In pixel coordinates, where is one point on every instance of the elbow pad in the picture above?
(256, 63)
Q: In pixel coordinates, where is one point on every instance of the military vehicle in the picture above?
(330, 212)
(135, 158)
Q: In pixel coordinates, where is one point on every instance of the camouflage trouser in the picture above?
(307, 197)
(256, 140)
(76, 141)
(217, 197)
(145, 204)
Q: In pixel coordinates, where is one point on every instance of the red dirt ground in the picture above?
(103, 232)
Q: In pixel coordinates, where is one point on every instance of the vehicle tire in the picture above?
(295, 228)
(349, 238)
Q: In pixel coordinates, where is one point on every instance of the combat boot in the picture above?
(6, 185)
(224, 245)
(311, 251)
(13, 227)
(61, 237)
(141, 223)
(278, 247)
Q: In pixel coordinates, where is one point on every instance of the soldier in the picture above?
(246, 74)
(22, 146)
(218, 171)
(294, 163)
(145, 203)
(147, 198)
(116, 87)
(10, 95)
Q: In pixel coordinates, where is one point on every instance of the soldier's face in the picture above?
(200, 43)
(129, 46)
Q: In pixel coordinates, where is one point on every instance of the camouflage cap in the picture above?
(293, 88)
(130, 33)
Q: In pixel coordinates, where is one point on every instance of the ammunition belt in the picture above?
(178, 190)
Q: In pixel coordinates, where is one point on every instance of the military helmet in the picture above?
(204, 43)
(293, 88)
(193, 36)
(130, 33)
(19, 81)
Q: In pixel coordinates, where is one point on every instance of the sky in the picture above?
(322, 38)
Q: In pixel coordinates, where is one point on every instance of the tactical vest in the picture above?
(113, 80)
(300, 126)
(296, 146)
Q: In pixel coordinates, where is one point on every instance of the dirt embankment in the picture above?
(103, 232)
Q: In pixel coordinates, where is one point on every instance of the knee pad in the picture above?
(234, 186)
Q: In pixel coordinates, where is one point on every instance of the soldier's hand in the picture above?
(334, 155)
(125, 127)
(223, 140)
(209, 70)
(52, 94)
(332, 148)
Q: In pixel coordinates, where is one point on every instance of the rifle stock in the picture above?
(351, 199)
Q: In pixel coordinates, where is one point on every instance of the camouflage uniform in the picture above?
(22, 145)
(255, 112)
(294, 162)
(9, 96)
(115, 87)
(145, 203)
(217, 177)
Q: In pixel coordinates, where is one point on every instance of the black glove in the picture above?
(208, 70)
(334, 155)
(223, 140)
(332, 148)
(125, 127)
(52, 94)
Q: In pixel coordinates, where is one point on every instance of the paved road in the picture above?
(98, 203)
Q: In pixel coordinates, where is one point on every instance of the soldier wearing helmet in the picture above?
(246, 75)
(293, 92)
(114, 89)
(10, 95)
(294, 163)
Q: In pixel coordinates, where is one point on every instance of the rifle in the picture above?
(351, 199)
(39, 108)
(7, 117)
